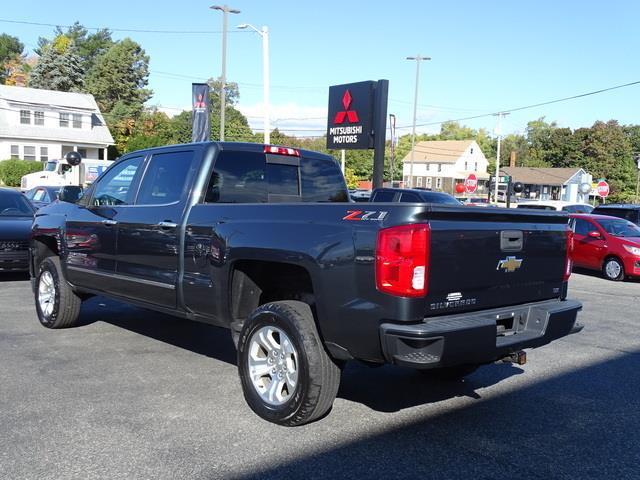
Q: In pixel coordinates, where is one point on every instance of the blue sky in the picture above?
(486, 56)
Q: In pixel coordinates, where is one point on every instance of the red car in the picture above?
(608, 244)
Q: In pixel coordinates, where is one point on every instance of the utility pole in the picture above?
(637, 157)
(418, 59)
(226, 10)
(392, 129)
(499, 133)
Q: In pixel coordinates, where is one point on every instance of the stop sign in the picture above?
(602, 188)
(471, 183)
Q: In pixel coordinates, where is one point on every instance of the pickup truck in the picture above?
(263, 240)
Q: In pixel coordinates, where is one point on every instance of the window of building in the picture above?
(64, 119)
(438, 183)
(38, 118)
(418, 181)
(82, 152)
(29, 153)
(25, 117)
(429, 182)
(77, 120)
(15, 151)
(475, 168)
(439, 167)
(471, 150)
(165, 178)
(44, 154)
(466, 166)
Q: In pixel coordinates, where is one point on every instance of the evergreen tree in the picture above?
(58, 69)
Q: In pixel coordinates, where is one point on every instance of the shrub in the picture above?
(11, 171)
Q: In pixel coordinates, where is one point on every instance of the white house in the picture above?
(44, 124)
(551, 183)
(440, 164)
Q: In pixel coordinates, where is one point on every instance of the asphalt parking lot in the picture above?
(134, 394)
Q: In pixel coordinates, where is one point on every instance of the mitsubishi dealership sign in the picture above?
(350, 119)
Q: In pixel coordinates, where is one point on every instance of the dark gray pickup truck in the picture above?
(264, 240)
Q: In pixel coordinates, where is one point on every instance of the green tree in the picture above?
(118, 79)
(58, 69)
(10, 49)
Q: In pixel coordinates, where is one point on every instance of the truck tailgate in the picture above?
(493, 257)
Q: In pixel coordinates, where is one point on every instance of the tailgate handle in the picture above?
(511, 240)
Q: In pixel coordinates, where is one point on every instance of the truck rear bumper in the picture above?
(479, 337)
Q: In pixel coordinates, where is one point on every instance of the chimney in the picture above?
(512, 159)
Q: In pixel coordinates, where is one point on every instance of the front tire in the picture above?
(287, 377)
(613, 269)
(57, 305)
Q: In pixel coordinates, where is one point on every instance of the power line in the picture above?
(123, 30)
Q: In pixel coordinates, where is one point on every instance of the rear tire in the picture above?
(57, 305)
(287, 376)
(613, 269)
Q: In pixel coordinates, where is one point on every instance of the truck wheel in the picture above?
(57, 304)
(287, 377)
(451, 374)
(613, 269)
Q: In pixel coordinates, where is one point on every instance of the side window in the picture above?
(114, 187)
(39, 195)
(384, 196)
(238, 177)
(165, 178)
(583, 227)
(322, 181)
(409, 198)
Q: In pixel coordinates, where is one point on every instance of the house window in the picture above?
(466, 166)
(29, 153)
(429, 182)
(438, 183)
(439, 167)
(471, 150)
(15, 151)
(82, 152)
(25, 117)
(77, 120)
(419, 182)
(38, 118)
(475, 169)
(44, 154)
(64, 120)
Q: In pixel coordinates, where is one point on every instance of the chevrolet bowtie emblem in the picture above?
(509, 264)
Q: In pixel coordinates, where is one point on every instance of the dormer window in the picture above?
(64, 120)
(77, 120)
(471, 150)
(25, 117)
(38, 118)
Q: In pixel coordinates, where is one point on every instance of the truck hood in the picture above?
(15, 228)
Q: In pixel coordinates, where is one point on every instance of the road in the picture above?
(134, 394)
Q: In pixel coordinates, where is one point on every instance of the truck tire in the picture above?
(451, 374)
(287, 377)
(57, 305)
(613, 269)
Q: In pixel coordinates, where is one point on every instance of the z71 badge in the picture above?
(362, 215)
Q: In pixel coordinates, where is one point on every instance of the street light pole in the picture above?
(418, 59)
(499, 133)
(264, 33)
(226, 10)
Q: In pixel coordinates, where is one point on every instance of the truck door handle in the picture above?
(109, 222)
(166, 224)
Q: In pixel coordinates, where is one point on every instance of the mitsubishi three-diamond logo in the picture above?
(350, 115)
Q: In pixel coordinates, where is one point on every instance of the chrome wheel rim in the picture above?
(273, 365)
(46, 293)
(613, 269)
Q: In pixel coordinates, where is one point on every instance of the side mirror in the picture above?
(595, 234)
(73, 158)
(70, 193)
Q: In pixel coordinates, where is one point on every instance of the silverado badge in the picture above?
(509, 264)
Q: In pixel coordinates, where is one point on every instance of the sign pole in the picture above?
(342, 160)
(379, 130)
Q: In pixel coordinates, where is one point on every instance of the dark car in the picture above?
(629, 211)
(16, 216)
(413, 195)
(41, 196)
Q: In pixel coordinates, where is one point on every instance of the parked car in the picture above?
(264, 241)
(16, 216)
(630, 211)
(41, 196)
(558, 205)
(413, 195)
(608, 244)
(477, 202)
(360, 195)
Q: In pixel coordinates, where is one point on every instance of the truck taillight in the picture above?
(568, 264)
(402, 254)
(292, 152)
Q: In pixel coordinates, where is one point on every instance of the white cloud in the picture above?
(289, 118)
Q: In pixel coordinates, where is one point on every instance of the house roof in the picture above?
(438, 151)
(52, 100)
(540, 176)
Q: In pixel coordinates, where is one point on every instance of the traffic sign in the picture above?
(602, 188)
(471, 183)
